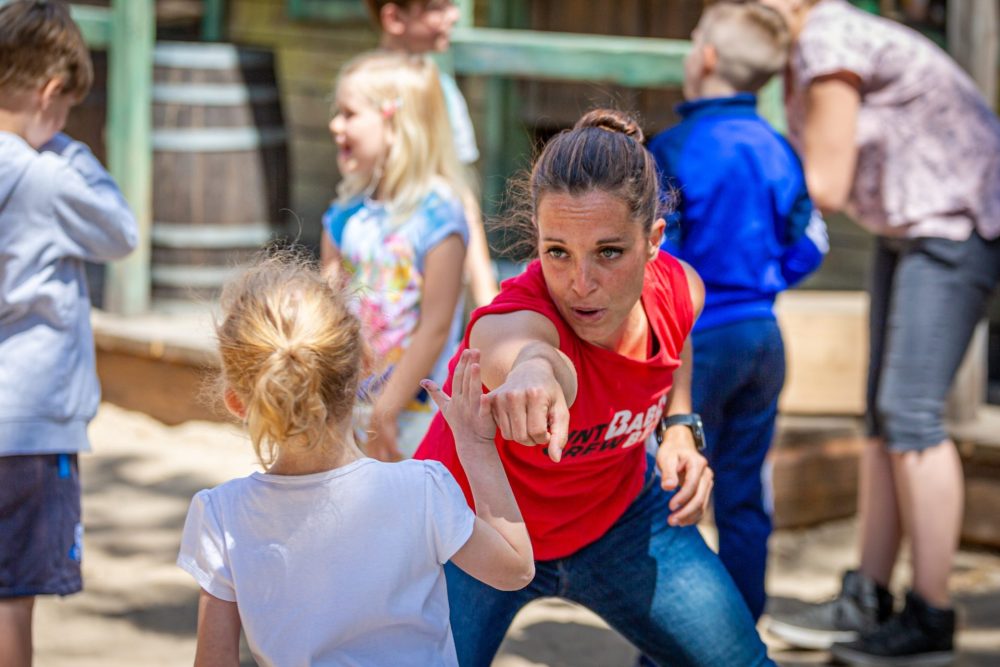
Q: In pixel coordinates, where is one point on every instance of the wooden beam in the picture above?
(505, 136)
(327, 10)
(95, 24)
(130, 73)
(213, 20)
(466, 13)
(630, 61)
(974, 41)
(771, 103)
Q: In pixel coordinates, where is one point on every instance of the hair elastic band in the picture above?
(390, 107)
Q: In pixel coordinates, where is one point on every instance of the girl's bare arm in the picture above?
(499, 550)
(218, 632)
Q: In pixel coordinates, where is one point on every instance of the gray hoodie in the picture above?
(58, 208)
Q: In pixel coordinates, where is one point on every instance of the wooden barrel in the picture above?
(220, 164)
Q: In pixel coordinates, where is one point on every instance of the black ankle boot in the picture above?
(860, 607)
(919, 636)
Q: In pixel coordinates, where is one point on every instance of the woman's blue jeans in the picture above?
(660, 587)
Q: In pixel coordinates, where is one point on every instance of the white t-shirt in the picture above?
(461, 124)
(337, 568)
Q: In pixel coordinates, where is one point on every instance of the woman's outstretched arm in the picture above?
(532, 382)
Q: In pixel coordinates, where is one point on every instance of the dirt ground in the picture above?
(138, 608)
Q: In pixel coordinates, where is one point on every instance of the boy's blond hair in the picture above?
(751, 41)
(292, 352)
(406, 89)
(39, 42)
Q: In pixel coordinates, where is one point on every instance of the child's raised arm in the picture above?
(499, 551)
(94, 217)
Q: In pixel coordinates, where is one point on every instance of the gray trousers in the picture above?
(927, 295)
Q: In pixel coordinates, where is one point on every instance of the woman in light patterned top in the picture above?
(893, 132)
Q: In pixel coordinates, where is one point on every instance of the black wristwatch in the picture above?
(692, 420)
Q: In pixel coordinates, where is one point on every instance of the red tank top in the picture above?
(570, 504)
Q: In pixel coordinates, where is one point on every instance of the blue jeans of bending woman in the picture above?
(660, 587)
(739, 369)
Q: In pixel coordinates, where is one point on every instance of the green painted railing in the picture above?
(628, 61)
(95, 24)
(213, 20)
(328, 10)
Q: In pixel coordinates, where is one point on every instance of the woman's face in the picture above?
(594, 257)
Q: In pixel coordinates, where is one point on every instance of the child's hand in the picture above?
(467, 411)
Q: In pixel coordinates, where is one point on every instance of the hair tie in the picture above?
(390, 107)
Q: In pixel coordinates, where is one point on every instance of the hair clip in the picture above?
(390, 107)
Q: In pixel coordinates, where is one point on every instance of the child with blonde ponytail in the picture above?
(398, 233)
(329, 557)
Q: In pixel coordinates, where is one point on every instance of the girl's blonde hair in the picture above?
(406, 90)
(292, 352)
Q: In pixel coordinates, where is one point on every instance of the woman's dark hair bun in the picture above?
(612, 121)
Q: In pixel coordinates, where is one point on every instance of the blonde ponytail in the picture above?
(291, 351)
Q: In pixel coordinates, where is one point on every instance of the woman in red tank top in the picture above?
(585, 355)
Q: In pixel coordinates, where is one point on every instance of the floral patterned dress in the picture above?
(385, 260)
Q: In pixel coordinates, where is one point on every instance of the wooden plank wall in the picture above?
(308, 55)
(554, 106)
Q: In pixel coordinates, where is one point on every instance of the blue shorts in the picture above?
(42, 539)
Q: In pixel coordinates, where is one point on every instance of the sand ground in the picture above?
(138, 608)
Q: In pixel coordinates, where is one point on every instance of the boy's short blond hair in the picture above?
(39, 42)
(750, 39)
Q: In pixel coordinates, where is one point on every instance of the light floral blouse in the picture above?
(928, 145)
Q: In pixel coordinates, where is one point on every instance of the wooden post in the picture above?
(974, 41)
(467, 13)
(212, 20)
(130, 73)
(505, 136)
(771, 103)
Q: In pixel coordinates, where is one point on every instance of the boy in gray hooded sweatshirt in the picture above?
(58, 209)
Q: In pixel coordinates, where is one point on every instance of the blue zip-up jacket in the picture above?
(58, 208)
(743, 219)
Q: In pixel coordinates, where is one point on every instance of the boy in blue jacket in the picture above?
(745, 222)
(58, 209)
